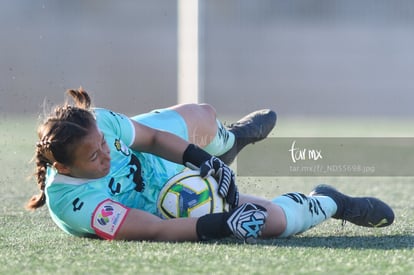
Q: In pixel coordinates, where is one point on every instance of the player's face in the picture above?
(91, 156)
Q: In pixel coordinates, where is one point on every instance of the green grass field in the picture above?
(31, 244)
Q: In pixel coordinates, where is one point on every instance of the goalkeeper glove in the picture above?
(196, 158)
(245, 222)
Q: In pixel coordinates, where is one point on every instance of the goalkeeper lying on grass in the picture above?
(100, 174)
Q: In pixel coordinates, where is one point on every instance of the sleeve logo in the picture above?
(108, 218)
(105, 215)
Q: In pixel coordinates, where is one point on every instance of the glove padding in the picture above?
(225, 178)
(247, 222)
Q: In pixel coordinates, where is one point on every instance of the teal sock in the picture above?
(303, 212)
(222, 142)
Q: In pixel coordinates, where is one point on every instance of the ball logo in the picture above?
(189, 195)
(106, 212)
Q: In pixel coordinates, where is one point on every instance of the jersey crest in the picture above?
(121, 147)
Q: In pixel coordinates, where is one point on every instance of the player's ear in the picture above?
(61, 168)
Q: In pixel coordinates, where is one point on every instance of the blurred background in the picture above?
(303, 58)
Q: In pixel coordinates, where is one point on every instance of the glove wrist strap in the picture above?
(195, 156)
(213, 226)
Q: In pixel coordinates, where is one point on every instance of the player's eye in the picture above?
(103, 139)
(94, 157)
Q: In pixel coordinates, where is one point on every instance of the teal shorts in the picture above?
(166, 120)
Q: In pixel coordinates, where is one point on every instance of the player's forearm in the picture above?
(160, 143)
(169, 146)
(139, 225)
(163, 144)
(181, 229)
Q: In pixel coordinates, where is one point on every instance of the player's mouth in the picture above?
(107, 169)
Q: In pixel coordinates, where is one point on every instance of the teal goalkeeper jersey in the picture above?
(134, 180)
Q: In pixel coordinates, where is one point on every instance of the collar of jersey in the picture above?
(59, 178)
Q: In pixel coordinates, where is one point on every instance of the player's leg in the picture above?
(294, 213)
(304, 212)
(204, 129)
(276, 219)
(207, 132)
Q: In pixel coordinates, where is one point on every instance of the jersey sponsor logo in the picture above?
(77, 205)
(135, 171)
(117, 188)
(108, 218)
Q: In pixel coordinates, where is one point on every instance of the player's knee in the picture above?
(203, 110)
(206, 113)
(208, 110)
(200, 120)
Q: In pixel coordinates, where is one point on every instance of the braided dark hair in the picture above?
(58, 135)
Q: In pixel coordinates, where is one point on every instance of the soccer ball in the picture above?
(189, 195)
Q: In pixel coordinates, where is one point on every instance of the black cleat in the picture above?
(250, 129)
(363, 211)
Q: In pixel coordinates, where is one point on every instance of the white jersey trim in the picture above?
(133, 132)
(59, 178)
